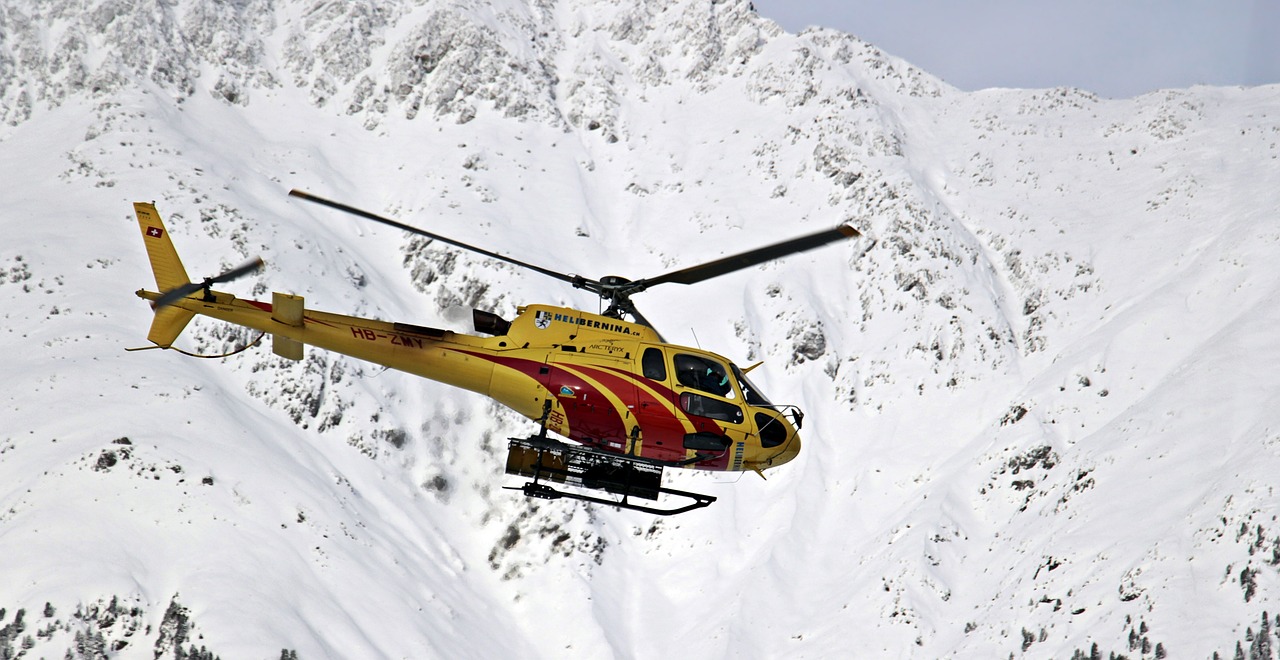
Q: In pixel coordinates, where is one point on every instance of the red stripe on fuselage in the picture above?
(594, 420)
(663, 440)
(591, 415)
(671, 428)
(664, 434)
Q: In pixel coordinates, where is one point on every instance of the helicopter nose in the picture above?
(789, 451)
(778, 434)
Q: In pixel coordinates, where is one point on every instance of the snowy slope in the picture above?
(1040, 405)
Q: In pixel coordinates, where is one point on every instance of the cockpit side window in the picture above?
(703, 374)
(653, 365)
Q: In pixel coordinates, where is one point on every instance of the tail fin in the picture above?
(169, 321)
(164, 258)
(168, 324)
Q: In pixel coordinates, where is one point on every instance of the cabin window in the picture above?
(652, 364)
(704, 374)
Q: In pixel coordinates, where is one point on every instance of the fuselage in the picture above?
(598, 381)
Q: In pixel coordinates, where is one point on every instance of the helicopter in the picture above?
(629, 403)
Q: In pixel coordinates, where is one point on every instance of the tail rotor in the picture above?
(178, 293)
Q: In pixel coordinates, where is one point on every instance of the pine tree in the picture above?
(1260, 649)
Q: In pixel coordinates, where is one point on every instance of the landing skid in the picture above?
(545, 459)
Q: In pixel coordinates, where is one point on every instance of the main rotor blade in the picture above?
(635, 314)
(575, 280)
(731, 263)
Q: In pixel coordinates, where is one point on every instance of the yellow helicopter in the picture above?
(631, 403)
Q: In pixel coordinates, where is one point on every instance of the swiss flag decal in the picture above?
(155, 232)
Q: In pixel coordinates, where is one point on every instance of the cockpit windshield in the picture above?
(750, 392)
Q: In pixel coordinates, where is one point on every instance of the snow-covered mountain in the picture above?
(1039, 404)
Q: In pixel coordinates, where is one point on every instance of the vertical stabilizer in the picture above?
(168, 324)
(170, 274)
(164, 258)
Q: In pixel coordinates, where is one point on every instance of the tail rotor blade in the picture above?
(174, 295)
(251, 266)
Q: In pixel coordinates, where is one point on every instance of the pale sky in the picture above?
(1116, 48)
